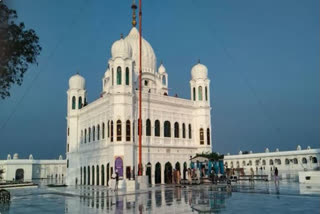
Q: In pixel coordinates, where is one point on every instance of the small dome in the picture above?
(30, 157)
(15, 156)
(161, 69)
(9, 157)
(277, 150)
(250, 152)
(308, 147)
(77, 82)
(199, 71)
(267, 150)
(60, 157)
(298, 147)
(121, 48)
(228, 154)
(240, 152)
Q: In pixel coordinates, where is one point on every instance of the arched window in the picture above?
(93, 133)
(148, 127)
(73, 102)
(183, 130)
(167, 129)
(314, 160)
(270, 162)
(108, 128)
(103, 129)
(111, 130)
(250, 163)
(128, 135)
(119, 130)
(243, 163)
(304, 160)
(79, 102)
(194, 93)
(264, 162)
(81, 137)
(190, 131)
(98, 132)
(119, 75)
(295, 161)
(127, 76)
(206, 93)
(176, 130)
(200, 93)
(89, 135)
(157, 128)
(208, 136)
(287, 162)
(85, 136)
(201, 136)
(164, 82)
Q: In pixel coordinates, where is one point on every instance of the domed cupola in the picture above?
(161, 69)
(199, 71)
(77, 82)
(121, 48)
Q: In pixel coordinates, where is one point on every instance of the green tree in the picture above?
(19, 48)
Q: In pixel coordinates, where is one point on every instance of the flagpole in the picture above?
(140, 91)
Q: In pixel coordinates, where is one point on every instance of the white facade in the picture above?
(28, 169)
(289, 163)
(173, 129)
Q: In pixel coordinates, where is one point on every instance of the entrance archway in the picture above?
(19, 175)
(102, 175)
(178, 166)
(168, 173)
(157, 177)
(119, 166)
(184, 170)
(148, 172)
(108, 173)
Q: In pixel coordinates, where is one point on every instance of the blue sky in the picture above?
(262, 56)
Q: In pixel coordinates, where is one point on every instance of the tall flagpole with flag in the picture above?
(140, 90)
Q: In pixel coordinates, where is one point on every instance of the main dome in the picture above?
(148, 56)
(199, 71)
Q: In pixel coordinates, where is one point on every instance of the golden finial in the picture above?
(134, 7)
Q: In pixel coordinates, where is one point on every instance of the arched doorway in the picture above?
(148, 172)
(119, 166)
(178, 166)
(168, 173)
(84, 176)
(88, 175)
(108, 173)
(157, 177)
(97, 168)
(92, 175)
(184, 170)
(19, 175)
(102, 175)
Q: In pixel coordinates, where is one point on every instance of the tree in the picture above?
(19, 48)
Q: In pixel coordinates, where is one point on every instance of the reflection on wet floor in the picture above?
(158, 199)
(245, 198)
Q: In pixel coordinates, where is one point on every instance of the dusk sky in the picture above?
(262, 59)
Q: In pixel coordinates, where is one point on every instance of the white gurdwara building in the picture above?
(102, 136)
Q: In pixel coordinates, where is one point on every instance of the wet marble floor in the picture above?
(245, 198)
